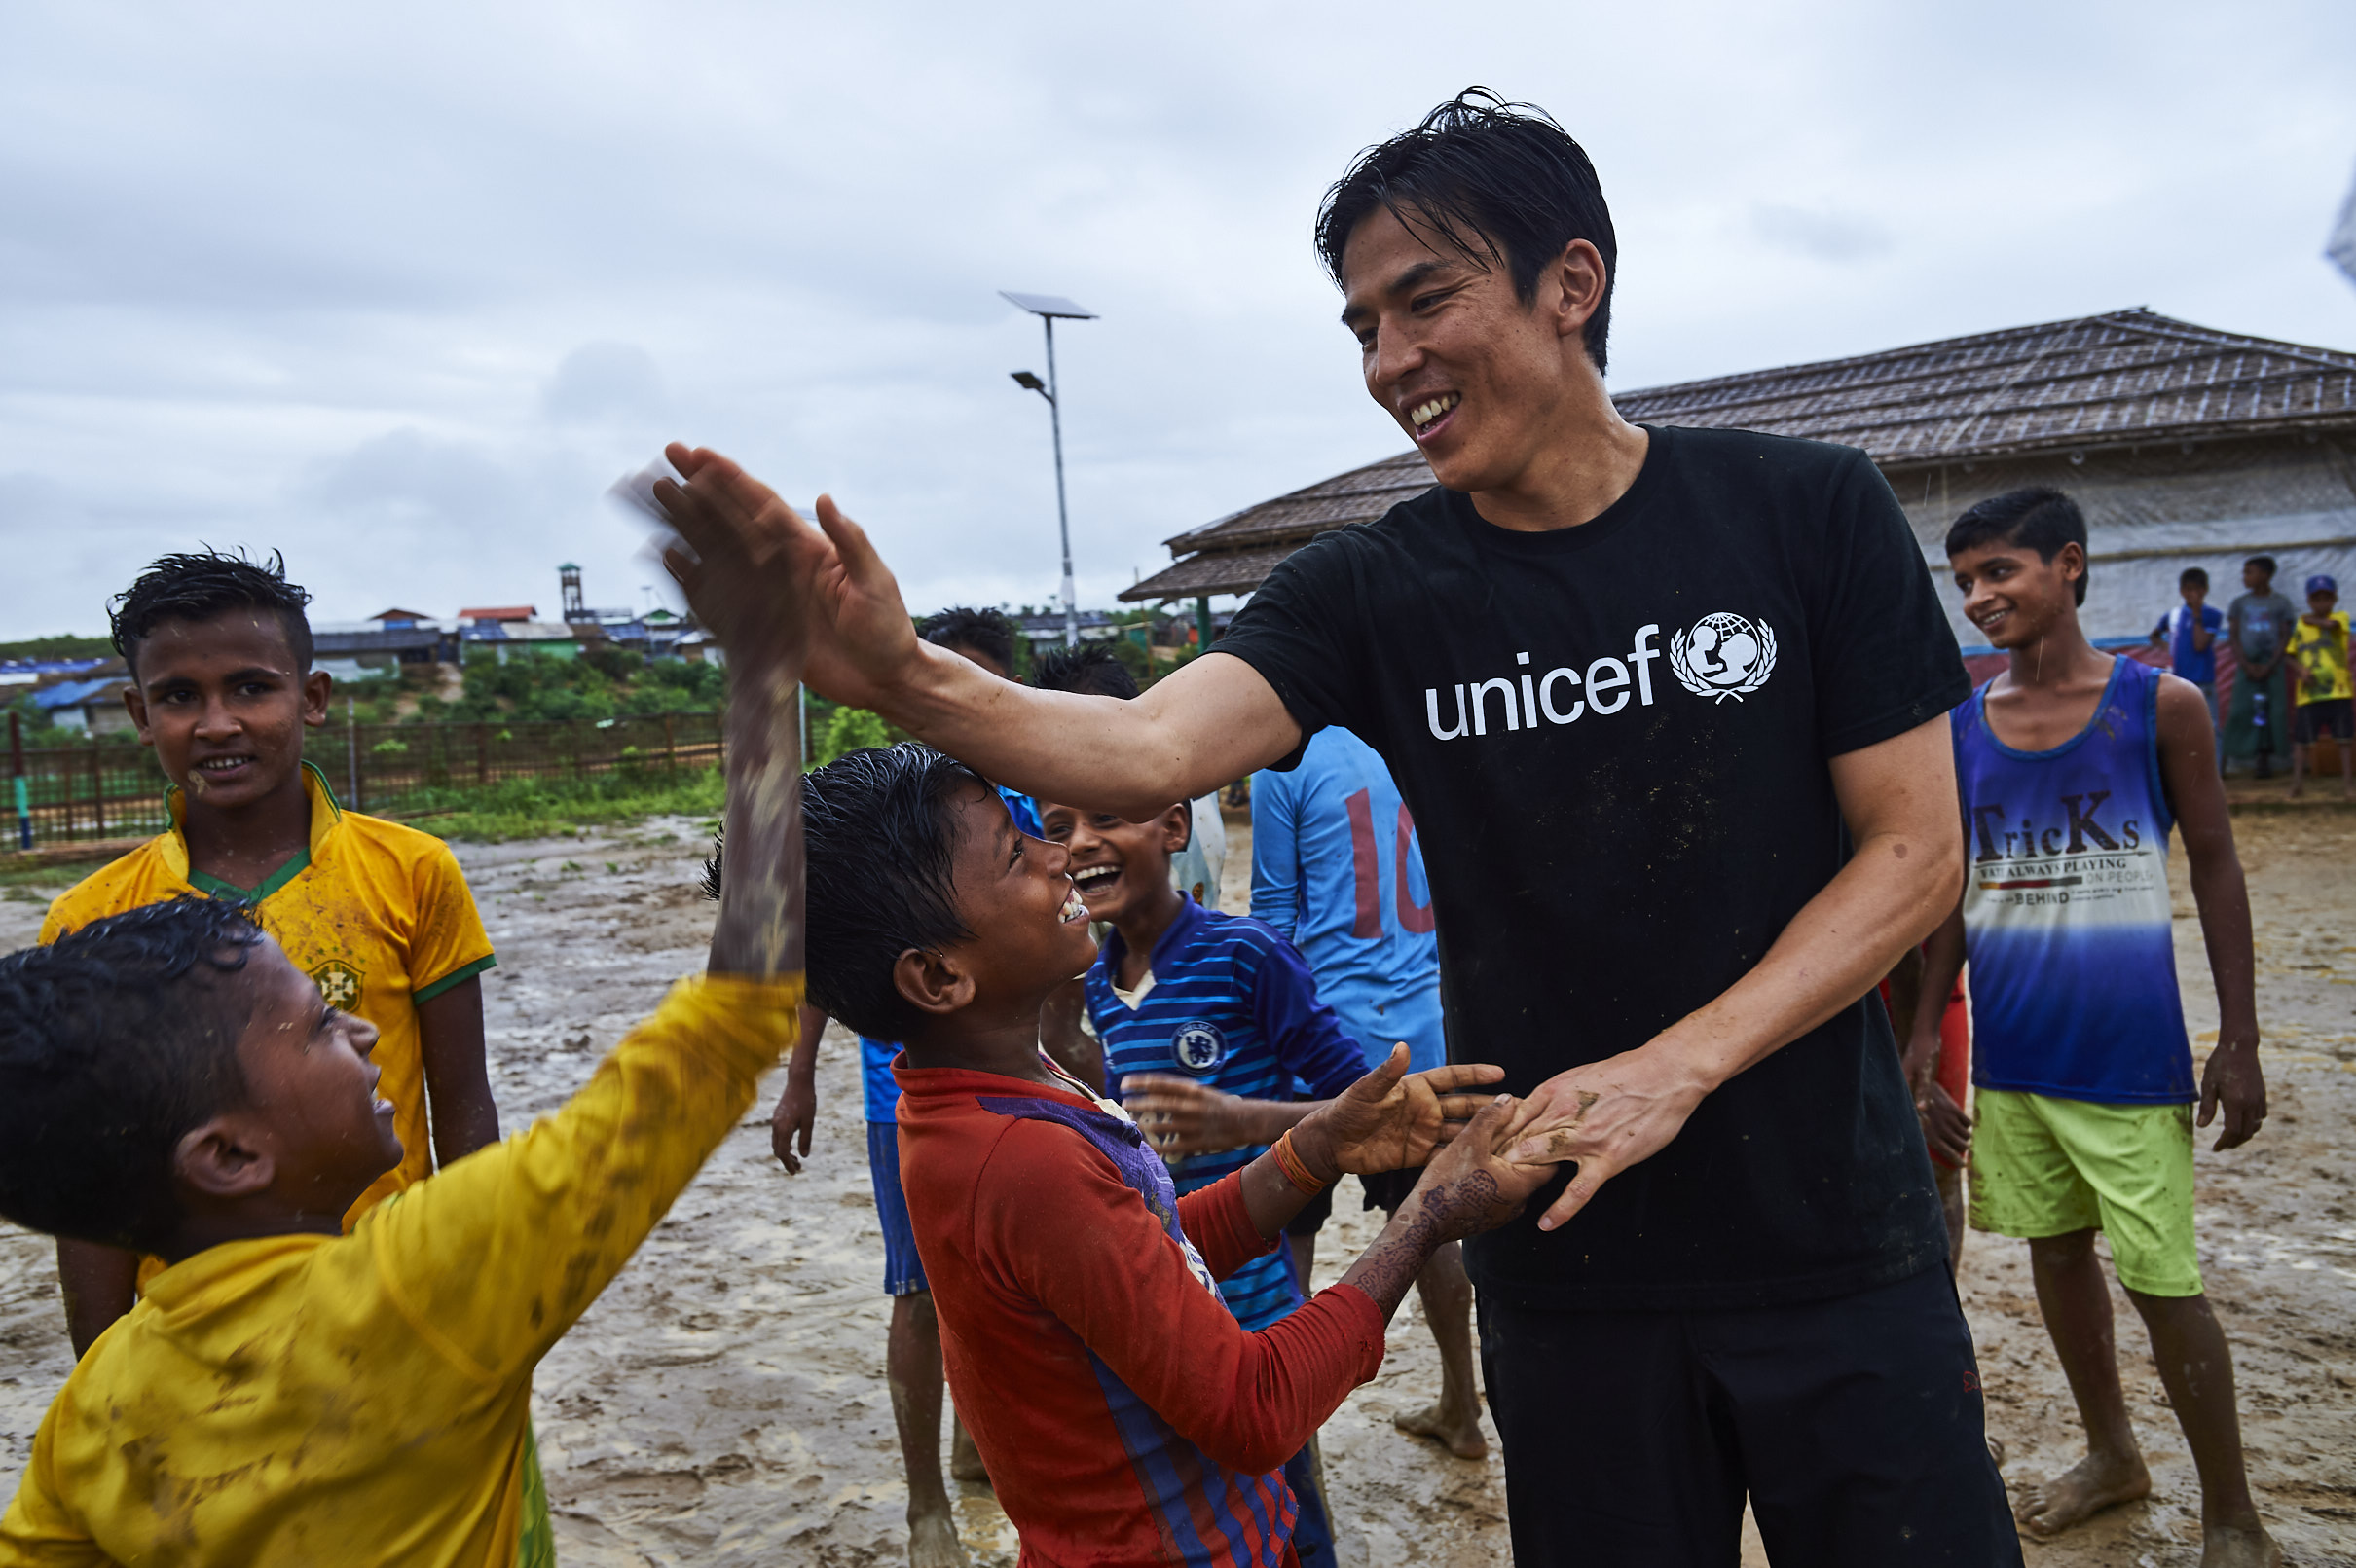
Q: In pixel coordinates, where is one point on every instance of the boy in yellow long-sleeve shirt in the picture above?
(288, 1393)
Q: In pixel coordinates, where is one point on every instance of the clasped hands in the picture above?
(1387, 1120)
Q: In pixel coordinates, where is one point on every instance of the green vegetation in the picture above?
(66, 646)
(604, 684)
(541, 808)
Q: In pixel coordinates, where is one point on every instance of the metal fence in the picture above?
(109, 787)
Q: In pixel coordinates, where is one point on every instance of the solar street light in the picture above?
(1052, 308)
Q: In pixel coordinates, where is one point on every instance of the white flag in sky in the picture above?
(2341, 246)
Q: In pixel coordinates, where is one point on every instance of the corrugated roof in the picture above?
(2121, 377)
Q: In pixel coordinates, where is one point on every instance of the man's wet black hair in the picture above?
(2039, 517)
(1090, 669)
(201, 586)
(880, 848)
(986, 632)
(116, 1041)
(2193, 577)
(1499, 183)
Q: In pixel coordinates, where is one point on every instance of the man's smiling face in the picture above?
(1477, 377)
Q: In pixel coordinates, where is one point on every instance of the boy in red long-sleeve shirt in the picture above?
(1125, 1415)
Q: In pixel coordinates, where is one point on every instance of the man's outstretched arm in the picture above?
(1905, 874)
(1213, 721)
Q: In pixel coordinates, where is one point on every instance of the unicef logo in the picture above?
(1200, 1046)
(1725, 655)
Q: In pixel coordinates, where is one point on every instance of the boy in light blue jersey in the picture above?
(1206, 1020)
(1336, 871)
(2072, 767)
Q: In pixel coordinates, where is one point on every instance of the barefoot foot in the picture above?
(932, 1542)
(2085, 1488)
(964, 1460)
(1459, 1435)
(2238, 1547)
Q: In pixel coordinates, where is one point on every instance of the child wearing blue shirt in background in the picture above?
(2189, 633)
(1225, 1007)
(1336, 871)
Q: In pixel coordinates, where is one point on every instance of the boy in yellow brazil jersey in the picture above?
(377, 914)
(289, 1394)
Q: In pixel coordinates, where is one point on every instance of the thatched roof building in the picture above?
(2184, 445)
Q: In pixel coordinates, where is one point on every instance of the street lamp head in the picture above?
(1028, 382)
(1053, 306)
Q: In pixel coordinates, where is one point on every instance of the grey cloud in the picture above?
(604, 381)
(1820, 235)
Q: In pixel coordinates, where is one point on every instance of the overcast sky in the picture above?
(399, 289)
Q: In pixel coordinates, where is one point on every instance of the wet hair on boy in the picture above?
(1090, 669)
(116, 1041)
(2038, 517)
(881, 845)
(962, 629)
(201, 585)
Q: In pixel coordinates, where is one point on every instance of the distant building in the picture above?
(2184, 446)
(87, 707)
(393, 619)
(499, 614)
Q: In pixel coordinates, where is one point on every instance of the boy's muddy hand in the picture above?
(1469, 1187)
(1392, 1119)
(1604, 1117)
(1945, 1128)
(1474, 1183)
(1180, 1116)
(742, 556)
(2234, 1080)
(860, 640)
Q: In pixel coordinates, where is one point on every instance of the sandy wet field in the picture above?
(724, 1402)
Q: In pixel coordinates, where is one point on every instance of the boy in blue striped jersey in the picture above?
(1219, 1001)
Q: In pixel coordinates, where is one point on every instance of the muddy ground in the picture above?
(724, 1402)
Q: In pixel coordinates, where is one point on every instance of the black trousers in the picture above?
(1854, 1425)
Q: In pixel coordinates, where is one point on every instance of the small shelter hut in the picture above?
(2183, 446)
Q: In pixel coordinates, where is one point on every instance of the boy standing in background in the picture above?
(2259, 622)
(377, 914)
(2189, 633)
(1336, 871)
(2072, 767)
(2319, 653)
(1227, 1008)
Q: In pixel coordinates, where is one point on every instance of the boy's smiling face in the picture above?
(2013, 595)
(311, 1132)
(1014, 894)
(1116, 864)
(223, 703)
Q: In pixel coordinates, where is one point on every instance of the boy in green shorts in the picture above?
(2072, 767)
(171, 1083)
(377, 914)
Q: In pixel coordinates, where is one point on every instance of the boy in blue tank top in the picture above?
(2073, 768)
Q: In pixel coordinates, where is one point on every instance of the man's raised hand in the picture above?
(860, 641)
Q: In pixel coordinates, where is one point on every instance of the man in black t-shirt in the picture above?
(1668, 707)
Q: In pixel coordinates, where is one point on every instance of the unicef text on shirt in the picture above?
(1723, 656)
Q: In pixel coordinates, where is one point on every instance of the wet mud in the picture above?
(725, 1402)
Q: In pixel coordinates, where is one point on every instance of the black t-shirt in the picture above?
(1614, 740)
